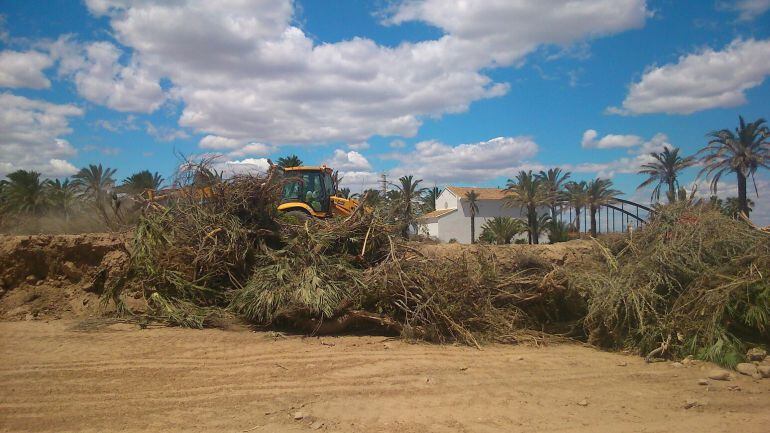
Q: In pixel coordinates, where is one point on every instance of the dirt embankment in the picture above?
(62, 276)
(57, 276)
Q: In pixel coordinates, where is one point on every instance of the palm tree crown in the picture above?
(599, 193)
(741, 152)
(664, 169)
(526, 191)
(501, 230)
(24, 193)
(409, 191)
(94, 181)
(141, 181)
(429, 199)
(576, 195)
(290, 161)
(554, 181)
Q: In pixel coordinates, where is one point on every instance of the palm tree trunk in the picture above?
(743, 201)
(671, 192)
(577, 219)
(593, 220)
(533, 229)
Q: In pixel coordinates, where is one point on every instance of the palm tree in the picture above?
(95, 182)
(665, 171)
(343, 192)
(501, 230)
(741, 152)
(409, 191)
(576, 195)
(289, 161)
(473, 207)
(600, 192)
(527, 191)
(553, 181)
(732, 206)
(141, 181)
(429, 199)
(24, 193)
(61, 196)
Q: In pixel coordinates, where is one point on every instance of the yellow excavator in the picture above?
(307, 191)
(311, 191)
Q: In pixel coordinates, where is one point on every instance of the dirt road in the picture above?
(54, 378)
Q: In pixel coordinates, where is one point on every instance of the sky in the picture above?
(460, 92)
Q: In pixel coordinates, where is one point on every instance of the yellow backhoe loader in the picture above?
(308, 191)
(312, 192)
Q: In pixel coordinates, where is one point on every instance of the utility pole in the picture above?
(384, 181)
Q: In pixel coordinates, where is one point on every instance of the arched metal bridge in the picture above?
(611, 218)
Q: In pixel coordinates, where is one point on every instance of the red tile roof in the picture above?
(437, 213)
(484, 193)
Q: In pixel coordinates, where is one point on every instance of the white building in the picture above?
(452, 217)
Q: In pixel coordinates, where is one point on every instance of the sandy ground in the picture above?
(120, 378)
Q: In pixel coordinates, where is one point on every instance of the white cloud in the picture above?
(24, 69)
(101, 78)
(254, 149)
(359, 181)
(434, 161)
(362, 145)
(245, 166)
(30, 132)
(750, 9)
(397, 144)
(349, 161)
(218, 143)
(164, 133)
(244, 72)
(608, 141)
(699, 81)
(119, 125)
(639, 153)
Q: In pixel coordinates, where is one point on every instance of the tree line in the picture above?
(742, 152)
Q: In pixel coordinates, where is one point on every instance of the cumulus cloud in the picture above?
(638, 154)
(101, 78)
(362, 145)
(609, 141)
(349, 161)
(244, 72)
(24, 69)
(30, 135)
(434, 161)
(244, 166)
(700, 81)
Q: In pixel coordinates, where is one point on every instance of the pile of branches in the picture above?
(692, 282)
(197, 259)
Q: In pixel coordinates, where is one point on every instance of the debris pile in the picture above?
(693, 281)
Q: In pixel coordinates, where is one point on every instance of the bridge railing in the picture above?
(620, 216)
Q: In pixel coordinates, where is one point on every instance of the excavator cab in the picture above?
(312, 192)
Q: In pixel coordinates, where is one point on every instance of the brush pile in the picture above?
(197, 260)
(692, 282)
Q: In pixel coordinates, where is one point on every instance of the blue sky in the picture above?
(455, 95)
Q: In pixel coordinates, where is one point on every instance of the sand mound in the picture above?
(57, 276)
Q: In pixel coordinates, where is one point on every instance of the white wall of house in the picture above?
(457, 225)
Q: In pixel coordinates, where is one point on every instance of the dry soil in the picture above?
(58, 377)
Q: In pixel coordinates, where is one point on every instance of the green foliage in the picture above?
(743, 152)
(141, 181)
(664, 171)
(24, 193)
(289, 161)
(558, 231)
(502, 230)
